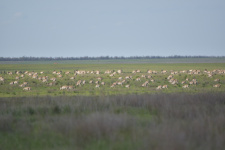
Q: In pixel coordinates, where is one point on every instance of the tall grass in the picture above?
(160, 121)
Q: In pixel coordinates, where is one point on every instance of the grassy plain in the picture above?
(41, 89)
(89, 118)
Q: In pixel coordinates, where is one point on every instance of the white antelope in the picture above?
(65, 87)
(2, 79)
(217, 85)
(72, 78)
(27, 88)
(127, 86)
(79, 82)
(21, 85)
(53, 79)
(108, 71)
(165, 86)
(119, 71)
(185, 86)
(145, 84)
(67, 72)
(217, 80)
(163, 71)
(143, 76)
(97, 85)
(70, 87)
(159, 87)
(138, 79)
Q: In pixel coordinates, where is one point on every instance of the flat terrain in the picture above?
(45, 78)
(141, 105)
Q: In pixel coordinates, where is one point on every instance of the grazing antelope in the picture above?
(217, 85)
(50, 84)
(70, 87)
(97, 72)
(143, 76)
(217, 80)
(103, 83)
(99, 78)
(119, 83)
(150, 71)
(164, 86)
(149, 77)
(120, 78)
(134, 71)
(128, 77)
(185, 86)
(138, 79)
(108, 71)
(91, 81)
(21, 85)
(67, 72)
(163, 71)
(119, 71)
(13, 82)
(27, 88)
(152, 80)
(183, 82)
(44, 80)
(170, 77)
(97, 85)
(2, 79)
(65, 87)
(159, 87)
(145, 84)
(72, 78)
(127, 86)
(79, 82)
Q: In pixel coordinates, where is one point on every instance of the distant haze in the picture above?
(74, 28)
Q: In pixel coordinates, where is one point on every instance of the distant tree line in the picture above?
(24, 58)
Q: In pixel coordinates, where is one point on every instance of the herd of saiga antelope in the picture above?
(121, 80)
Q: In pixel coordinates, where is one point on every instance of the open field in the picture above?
(124, 122)
(48, 79)
(145, 106)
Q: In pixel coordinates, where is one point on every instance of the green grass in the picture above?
(41, 89)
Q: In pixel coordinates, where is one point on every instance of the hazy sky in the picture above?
(73, 28)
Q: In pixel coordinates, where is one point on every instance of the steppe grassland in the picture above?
(38, 88)
(112, 118)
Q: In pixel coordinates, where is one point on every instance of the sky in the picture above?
(76, 28)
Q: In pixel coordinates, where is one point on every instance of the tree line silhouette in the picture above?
(25, 58)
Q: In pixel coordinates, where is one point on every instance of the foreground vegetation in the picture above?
(132, 122)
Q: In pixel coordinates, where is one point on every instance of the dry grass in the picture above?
(158, 122)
